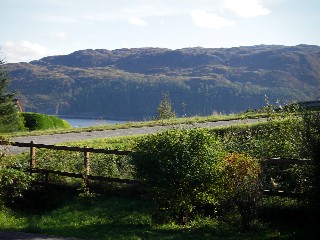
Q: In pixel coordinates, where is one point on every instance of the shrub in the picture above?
(242, 181)
(37, 121)
(182, 169)
(281, 136)
(13, 182)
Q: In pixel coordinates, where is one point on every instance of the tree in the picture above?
(165, 110)
(9, 118)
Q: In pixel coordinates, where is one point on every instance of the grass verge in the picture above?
(173, 121)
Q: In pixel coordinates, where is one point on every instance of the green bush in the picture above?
(37, 121)
(13, 182)
(242, 182)
(182, 169)
(278, 137)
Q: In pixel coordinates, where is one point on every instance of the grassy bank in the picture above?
(167, 122)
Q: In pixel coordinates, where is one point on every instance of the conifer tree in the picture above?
(165, 110)
(9, 118)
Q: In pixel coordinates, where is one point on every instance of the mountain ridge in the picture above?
(128, 83)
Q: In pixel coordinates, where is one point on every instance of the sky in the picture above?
(32, 29)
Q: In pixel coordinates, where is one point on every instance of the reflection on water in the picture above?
(83, 122)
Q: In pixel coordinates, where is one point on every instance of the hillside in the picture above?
(128, 83)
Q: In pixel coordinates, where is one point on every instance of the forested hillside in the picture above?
(129, 83)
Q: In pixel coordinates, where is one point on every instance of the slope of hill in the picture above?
(128, 83)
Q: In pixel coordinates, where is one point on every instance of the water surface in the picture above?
(86, 122)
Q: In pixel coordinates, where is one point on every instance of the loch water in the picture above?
(87, 122)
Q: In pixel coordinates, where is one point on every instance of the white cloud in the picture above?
(137, 21)
(23, 51)
(210, 20)
(59, 36)
(246, 8)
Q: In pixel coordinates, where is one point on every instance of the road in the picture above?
(69, 137)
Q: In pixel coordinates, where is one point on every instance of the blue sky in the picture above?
(32, 29)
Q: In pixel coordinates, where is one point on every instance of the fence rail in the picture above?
(284, 161)
(65, 148)
(86, 161)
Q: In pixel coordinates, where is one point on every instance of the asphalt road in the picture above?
(69, 137)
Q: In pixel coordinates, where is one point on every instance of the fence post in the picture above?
(32, 156)
(86, 166)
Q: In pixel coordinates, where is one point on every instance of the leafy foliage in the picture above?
(13, 181)
(281, 136)
(242, 179)
(182, 169)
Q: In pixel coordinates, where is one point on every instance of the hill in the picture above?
(128, 83)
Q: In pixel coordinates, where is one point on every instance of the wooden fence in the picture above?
(86, 164)
(282, 162)
(86, 161)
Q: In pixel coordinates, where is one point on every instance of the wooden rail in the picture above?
(65, 148)
(86, 161)
(284, 161)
